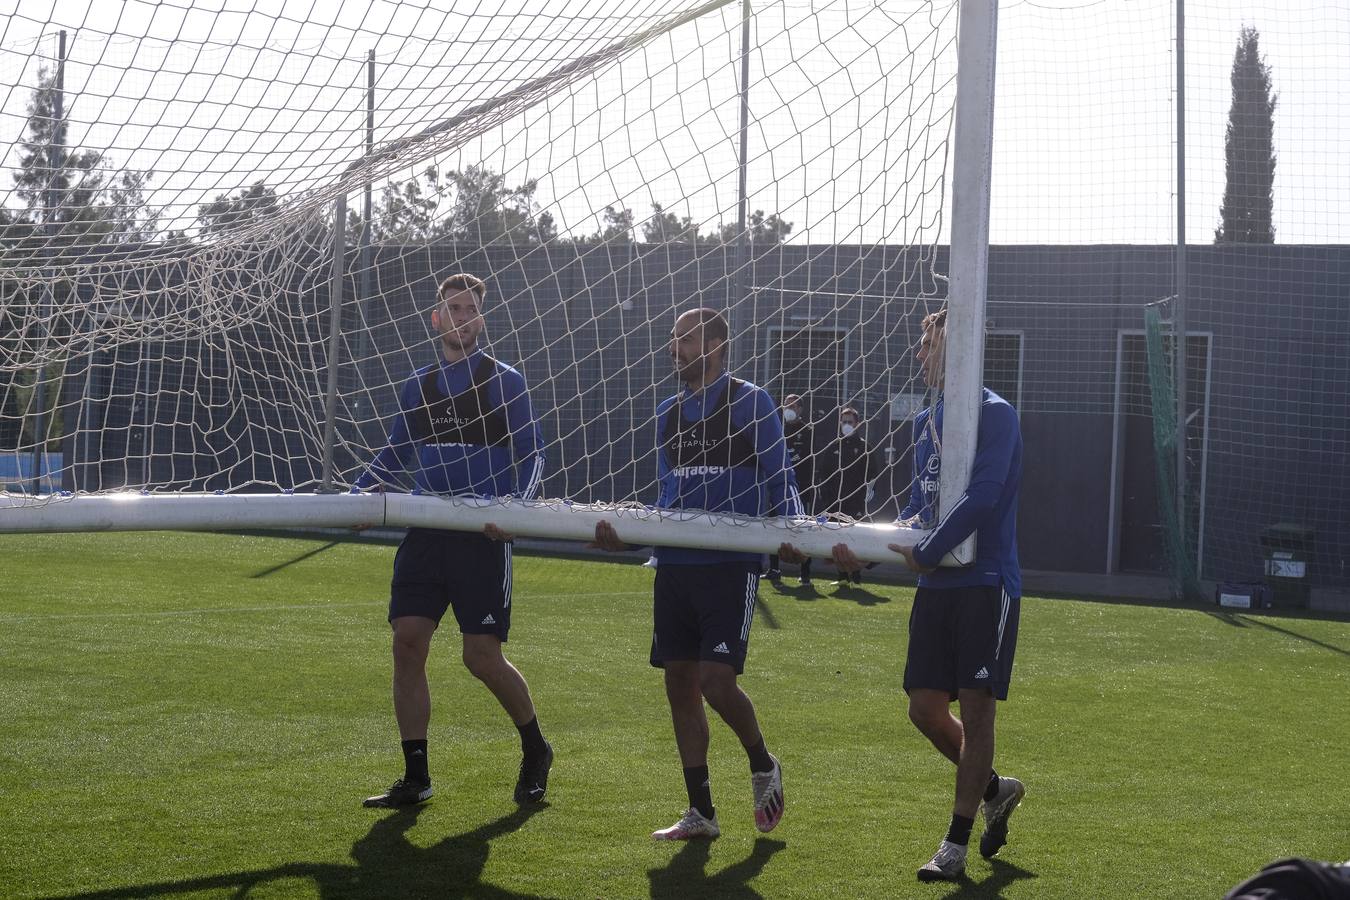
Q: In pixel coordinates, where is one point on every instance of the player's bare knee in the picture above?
(479, 666)
(482, 660)
(412, 634)
(717, 687)
(681, 679)
(409, 648)
(927, 716)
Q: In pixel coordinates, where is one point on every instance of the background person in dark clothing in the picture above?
(845, 476)
(801, 444)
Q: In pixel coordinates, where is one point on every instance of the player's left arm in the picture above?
(995, 445)
(606, 536)
(668, 484)
(527, 439)
(780, 481)
(400, 446)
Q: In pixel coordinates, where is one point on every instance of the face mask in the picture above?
(789, 415)
(846, 428)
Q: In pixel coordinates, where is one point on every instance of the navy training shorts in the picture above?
(436, 570)
(962, 637)
(703, 612)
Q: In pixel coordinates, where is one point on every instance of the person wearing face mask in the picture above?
(848, 462)
(800, 437)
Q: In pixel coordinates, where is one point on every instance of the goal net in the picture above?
(226, 229)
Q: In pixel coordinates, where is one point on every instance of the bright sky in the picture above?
(849, 106)
(1085, 118)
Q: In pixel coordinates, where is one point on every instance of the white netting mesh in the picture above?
(587, 165)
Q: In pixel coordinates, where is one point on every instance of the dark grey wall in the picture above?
(1278, 318)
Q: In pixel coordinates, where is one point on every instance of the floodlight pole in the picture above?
(55, 152)
(334, 339)
(1179, 310)
(367, 254)
(742, 201)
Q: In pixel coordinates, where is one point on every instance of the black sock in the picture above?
(991, 791)
(959, 832)
(700, 791)
(415, 761)
(760, 760)
(806, 570)
(531, 739)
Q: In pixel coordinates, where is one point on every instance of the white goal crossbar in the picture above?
(636, 524)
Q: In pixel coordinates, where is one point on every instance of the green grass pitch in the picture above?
(199, 716)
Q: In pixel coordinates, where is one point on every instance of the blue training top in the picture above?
(721, 449)
(988, 508)
(472, 428)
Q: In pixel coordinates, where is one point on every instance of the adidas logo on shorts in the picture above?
(721, 648)
(488, 620)
(983, 673)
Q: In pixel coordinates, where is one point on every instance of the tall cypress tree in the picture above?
(51, 169)
(93, 203)
(1249, 150)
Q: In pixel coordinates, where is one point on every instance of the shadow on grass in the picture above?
(386, 865)
(1226, 618)
(1003, 875)
(299, 559)
(686, 876)
(1264, 623)
(770, 621)
(798, 591)
(858, 594)
(809, 592)
(1283, 613)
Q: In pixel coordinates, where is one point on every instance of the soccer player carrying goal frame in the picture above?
(465, 427)
(963, 626)
(720, 449)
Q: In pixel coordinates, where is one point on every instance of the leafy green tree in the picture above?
(764, 231)
(617, 226)
(52, 172)
(73, 203)
(1249, 151)
(616, 230)
(666, 227)
(485, 210)
(475, 206)
(133, 220)
(405, 211)
(252, 206)
(72, 198)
